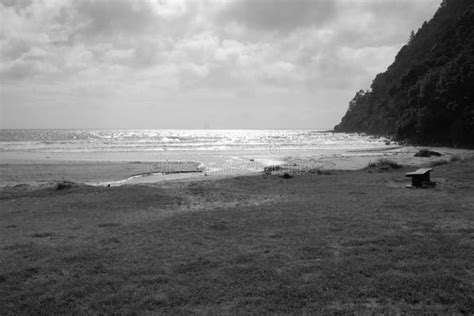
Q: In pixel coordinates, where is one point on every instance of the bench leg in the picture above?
(416, 182)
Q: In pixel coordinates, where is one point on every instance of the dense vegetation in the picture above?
(426, 96)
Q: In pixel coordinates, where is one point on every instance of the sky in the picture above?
(194, 64)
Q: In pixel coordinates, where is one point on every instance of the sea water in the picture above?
(218, 150)
(141, 140)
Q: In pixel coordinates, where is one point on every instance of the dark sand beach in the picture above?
(337, 241)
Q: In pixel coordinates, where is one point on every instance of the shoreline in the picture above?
(114, 173)
(34, 173)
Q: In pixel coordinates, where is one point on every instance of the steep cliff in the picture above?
(427, 95)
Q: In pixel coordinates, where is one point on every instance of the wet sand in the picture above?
(21, 168)
(34, 173)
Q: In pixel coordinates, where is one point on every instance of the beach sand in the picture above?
(134, 168)
(99, 172)
(341, 241)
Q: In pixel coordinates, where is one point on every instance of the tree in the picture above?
(426, 95)
(412, 37)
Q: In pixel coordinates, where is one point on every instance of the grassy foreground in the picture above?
(344, 242)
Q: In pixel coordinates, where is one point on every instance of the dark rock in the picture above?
(427, 153)
(65, 185)
(423, 153)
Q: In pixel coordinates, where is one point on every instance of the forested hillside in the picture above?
(427, 95)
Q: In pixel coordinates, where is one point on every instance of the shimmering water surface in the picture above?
(219, 151)
(128, 140)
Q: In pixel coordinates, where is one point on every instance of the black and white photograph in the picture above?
(236, 157)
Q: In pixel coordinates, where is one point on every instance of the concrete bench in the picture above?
(420, 178)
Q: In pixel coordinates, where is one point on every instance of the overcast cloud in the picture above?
(194, 64)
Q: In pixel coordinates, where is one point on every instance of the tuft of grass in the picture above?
(455, 158)
(384, 164)
(438, 163)
(219, 226)
(390, 163)
(65, 185)
(372, 164)
(42, 235)
(320, 171)
(286, 175)
(108, 225)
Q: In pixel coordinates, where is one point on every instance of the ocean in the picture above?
(149, 140)
(218, 150)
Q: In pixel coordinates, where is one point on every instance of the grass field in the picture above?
(348, 241)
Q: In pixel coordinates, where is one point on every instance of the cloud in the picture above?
(14, 49)
(104, 20)
(19, 70)
(199, 54)
(379, 22)
(279, 15)
(17, 4)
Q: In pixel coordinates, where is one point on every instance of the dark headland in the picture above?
(427, 95)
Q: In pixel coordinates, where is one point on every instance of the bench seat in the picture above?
(420, 177)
